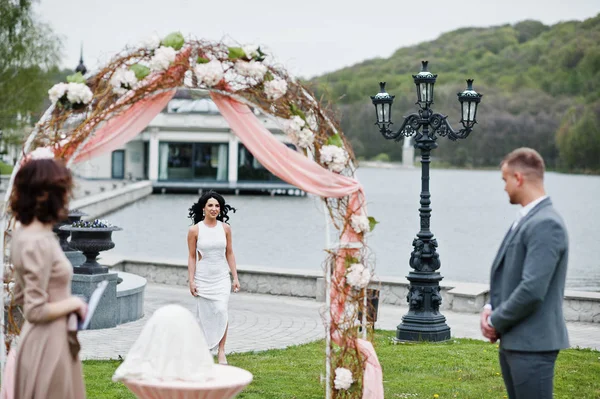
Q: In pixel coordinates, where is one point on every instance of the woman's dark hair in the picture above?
(196, 211)
(41, 191)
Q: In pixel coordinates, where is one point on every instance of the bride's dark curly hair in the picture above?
(196, 213)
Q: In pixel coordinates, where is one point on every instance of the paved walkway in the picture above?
(261, 322)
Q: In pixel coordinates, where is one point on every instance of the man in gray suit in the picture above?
(527, 283)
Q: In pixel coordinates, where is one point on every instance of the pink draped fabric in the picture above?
(8, 377)
(125, 126)
(372, 374)
(121, 128)
(283, 162)
(302, 172)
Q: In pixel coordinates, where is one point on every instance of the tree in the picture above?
(529, 29)
(28, 51)
(578, 138)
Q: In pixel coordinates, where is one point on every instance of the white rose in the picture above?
(275, 89)
(119, 90)
(327, 154)
(210, 73)
(360, 223)
(251, 50)
(57, 91)
(163, 57)
(129, 78)
(253, 69)
(79, 93)
(358, 276)
(337, 167)
(305, 138)
(151, 42)
(217, 53)
(41, 153)
(334, 157)
(294, 125)
(122, 80)
(343, 378)
(311, 119)
(187, 78)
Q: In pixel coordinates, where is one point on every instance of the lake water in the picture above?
(471, 214)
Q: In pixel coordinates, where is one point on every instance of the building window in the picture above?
(118, 164)
(249, 169)
(193, 161)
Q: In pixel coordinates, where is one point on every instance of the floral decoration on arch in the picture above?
(162, 64)
(248, 74)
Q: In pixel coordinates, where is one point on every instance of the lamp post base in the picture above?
(432, 329)
(423, 322)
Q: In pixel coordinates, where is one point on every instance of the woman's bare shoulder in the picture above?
(193, 230)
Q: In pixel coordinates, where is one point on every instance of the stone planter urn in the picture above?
(74, 216)
(91, 238)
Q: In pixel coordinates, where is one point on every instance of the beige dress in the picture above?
(44, 366)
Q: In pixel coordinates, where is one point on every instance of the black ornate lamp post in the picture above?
(424, 322)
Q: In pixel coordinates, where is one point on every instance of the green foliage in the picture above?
(141, 71)
(236, 52)
(383, 157)
(350, 260)
(459, 368)
(529, 29)
(174, 40)
(28, 51)
(487, 54)
(202, 60)
(5, 169)
(261, 56)
(76, 78)
(297, 111)
(335, 140)
(269, 77)
(579, 138)
(372, 223)
(530, 74)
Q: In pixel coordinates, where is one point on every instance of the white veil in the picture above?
(171, 347)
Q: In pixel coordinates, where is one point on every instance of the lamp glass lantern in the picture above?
(383, 106)
(469, 100)
(424, 81)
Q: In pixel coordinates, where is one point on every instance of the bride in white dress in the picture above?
(210, 261)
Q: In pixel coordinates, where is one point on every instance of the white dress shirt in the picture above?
(526, 209)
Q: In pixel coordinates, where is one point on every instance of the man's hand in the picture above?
(488, 331)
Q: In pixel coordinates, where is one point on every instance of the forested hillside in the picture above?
(541, 87)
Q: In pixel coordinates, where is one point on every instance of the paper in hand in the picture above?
(93, 304)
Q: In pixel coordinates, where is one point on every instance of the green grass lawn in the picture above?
(459, 368)
(5, 169)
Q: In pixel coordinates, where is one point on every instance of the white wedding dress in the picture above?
(171, 347)
(213, 283)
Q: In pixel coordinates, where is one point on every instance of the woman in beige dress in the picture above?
(47, 364)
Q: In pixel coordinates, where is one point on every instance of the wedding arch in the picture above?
(99, 113)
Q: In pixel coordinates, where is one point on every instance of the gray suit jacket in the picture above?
(528, 282)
